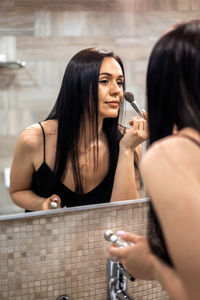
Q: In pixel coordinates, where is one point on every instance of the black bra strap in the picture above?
(190, 138)
(43, 140)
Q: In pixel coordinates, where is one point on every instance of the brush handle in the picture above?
(137, 109)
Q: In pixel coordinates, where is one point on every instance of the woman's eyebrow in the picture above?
(110, 75)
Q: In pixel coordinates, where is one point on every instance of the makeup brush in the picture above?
(130, 98)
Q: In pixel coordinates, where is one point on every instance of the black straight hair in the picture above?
(173, 81)
(78, 100)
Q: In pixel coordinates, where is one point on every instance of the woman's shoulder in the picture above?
(173, 151)
(31, 137)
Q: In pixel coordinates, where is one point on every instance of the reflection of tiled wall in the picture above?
(46, 33)
(44, 256)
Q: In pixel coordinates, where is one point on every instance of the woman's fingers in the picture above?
(116, 251)
(135, 122)
(55, 198)
(51, 202)
(145, 114)
(140, 127)
(136, 134)
(128, 236)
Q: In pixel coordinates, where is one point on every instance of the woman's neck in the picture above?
(87, 142)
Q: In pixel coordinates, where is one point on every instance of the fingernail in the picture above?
(120, 232)
(54, 199)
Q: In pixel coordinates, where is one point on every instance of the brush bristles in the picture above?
(129, 97)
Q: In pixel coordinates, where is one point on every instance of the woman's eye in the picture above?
(120, 83)
(103, 81)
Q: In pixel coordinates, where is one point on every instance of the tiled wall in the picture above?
(44, 256)
(46, 33)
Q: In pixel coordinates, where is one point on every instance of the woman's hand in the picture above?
(137, 258)
(136, 134)
(53, 198)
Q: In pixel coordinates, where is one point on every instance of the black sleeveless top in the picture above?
(46, 184)
(154, 231)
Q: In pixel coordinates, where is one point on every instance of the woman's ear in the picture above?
(175, 130)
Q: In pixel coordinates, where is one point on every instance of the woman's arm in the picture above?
(22, 170)
(142, 264)
(126, 182)
(170, 281)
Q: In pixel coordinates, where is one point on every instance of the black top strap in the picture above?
(43, 141)
(190, 138)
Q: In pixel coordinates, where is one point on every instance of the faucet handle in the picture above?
(125, 273)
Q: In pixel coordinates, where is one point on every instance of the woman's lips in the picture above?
(113, 104)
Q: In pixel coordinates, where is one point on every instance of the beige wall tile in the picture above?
(44, 257)
(14, 23)
(195, 5)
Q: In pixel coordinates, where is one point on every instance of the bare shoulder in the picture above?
(171, 156)
(30, 138)
(157, 152)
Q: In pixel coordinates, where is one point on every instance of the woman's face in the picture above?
(110, 88)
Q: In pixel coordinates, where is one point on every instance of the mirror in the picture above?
(46, 36)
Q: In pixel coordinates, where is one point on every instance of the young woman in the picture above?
(170, 168)
(75, 156)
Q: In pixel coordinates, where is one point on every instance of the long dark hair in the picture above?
(78, 100)
(173, 81)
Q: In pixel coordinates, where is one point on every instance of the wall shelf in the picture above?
(12, 64)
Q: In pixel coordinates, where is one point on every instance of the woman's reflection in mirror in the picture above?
(78, 155)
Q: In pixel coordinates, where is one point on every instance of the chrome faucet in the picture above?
(117, 280)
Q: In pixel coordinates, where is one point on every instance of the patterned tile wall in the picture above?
(42, 257)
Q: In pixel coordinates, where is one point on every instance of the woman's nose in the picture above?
(115, 88)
